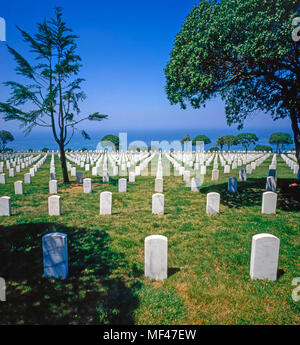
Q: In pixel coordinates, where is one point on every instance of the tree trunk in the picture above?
(296, 131)
(64, 164)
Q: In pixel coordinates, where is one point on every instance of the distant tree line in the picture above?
(245, 140)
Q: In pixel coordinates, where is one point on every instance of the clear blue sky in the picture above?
(124, 46)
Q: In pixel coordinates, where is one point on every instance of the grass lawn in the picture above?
(208, 256)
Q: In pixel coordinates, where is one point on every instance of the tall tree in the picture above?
(243, 51)
(220, 142)
(229, 141)
(280, 140)
(53, 91)
(5, 137)
(200, 138)
(245, 139)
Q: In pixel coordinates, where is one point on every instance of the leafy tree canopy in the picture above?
(280, 140)
(243, 51)
(245, 139)
(199, 138)
(220, 142)
(214, 148)
(52, 88)
(5, 137)
(110, 141)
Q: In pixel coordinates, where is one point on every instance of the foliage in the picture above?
(110, 141)
(229, 140)
(221, 51)
(200, 138)
(5, 137)
(214, 148)
(53, 92)
(263, 148)
(220, 142)
(45, 149)
(245, 139)
(280, 140)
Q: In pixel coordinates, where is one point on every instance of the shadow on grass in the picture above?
(250, 194)
(91, 294)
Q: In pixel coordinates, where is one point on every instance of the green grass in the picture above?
(208, 256)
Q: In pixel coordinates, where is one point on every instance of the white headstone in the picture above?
(156, 257)
(158, 186)
(27, 178)
(212, 203)
(11, 172)
(55, 255)
(105, 203)
(87, 185)
(226, 169)
(195, 184)
(54, 207)
(131, 176)
(215, 175)
(105, 177)
(264, 257)
(269, 203)
(122, 185)
(19, 187)
(5, 206)
(158, 204)
(53, 186)
(2, 179)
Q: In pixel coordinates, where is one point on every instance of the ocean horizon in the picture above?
(37, 140)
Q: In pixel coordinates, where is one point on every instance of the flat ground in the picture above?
(208, 256)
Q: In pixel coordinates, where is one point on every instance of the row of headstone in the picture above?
(263, 261)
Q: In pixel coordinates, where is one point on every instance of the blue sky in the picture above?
(124, 46)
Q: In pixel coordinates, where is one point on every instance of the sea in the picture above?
(37, 140)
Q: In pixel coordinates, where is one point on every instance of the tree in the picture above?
(263, 148)
(199, 138)
(220, 142)
(110, 141)
(280, 139)
(5, 137)
(245, 139)
(186, 138)
(221, 52)
(214, 148)
(53, 91)
(229, 141)
(45, 149)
